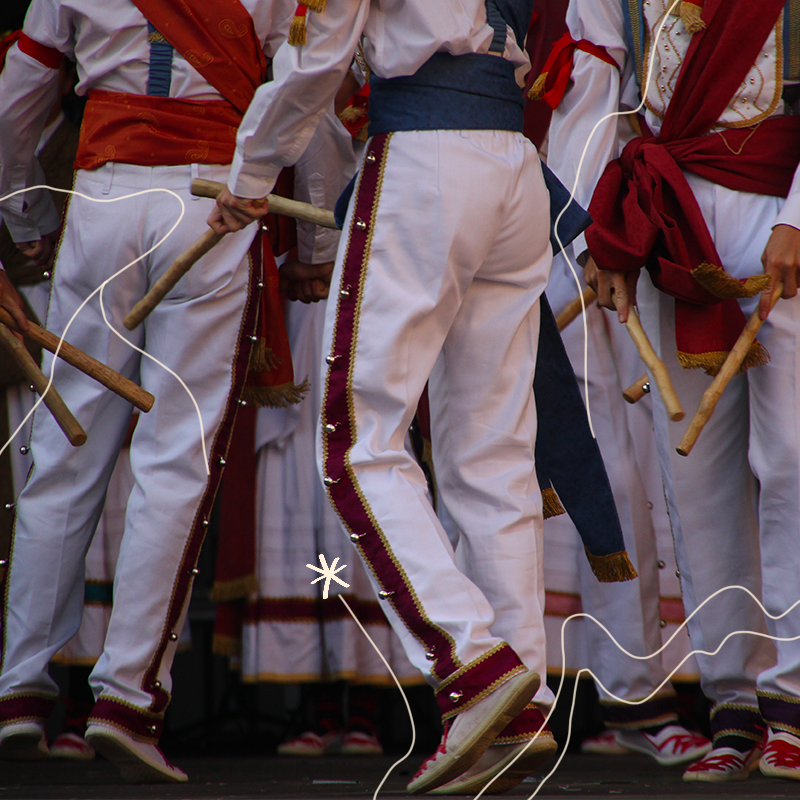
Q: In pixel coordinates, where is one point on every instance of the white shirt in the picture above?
(400, 36)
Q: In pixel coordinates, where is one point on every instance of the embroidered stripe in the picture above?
(791, 41)
(338, 412)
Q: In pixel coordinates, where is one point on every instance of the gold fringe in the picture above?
(236, 589)
(690, 15)
(552, 505)
(286, 394)
(226, 646)
(351, 114)
(711, 363)
(363, 134)
(537, 90)
(715, 280)
(315, 5)
(613, 568)
(297, 31)
(263, 358)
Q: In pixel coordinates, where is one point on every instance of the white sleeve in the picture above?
(320, 176)
(284, 113)
(790, 213)
(28, 90)
(576, 150)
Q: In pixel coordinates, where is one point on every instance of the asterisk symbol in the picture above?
(328, 574)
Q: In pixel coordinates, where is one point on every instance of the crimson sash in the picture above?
(644, 211)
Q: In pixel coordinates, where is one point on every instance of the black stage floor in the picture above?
(332, 778)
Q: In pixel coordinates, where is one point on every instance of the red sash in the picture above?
(644, 211)
(217, 38)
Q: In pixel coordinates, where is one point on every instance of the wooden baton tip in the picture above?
(633, 394)
(182, 264)
(305, 212)
(655, 364)
(95, 369)
(52, 399)
(574, 308)
(728, 370)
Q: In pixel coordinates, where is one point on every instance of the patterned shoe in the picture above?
(310, 745)
(23, 741)
(604, 744)
(468, 734)
(673, 744)
(723, 764)
(781, 758)
(360, 743)
(138, 762)
(72, 747)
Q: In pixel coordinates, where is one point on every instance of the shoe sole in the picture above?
(781, 772)
(131, 766)
(670, 761)
(474, 747)
(22, 746)
(539, 753)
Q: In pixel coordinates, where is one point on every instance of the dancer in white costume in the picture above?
(435, 281)
(715, 508)
(630, 610)
(140, 84)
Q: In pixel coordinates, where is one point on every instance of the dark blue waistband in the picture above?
(469, 92)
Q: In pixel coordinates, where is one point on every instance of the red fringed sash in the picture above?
(644, 211)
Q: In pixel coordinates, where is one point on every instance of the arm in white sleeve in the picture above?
(790, 213)
(284, 113)
(320, 176)
(28, 90)
(578, 151)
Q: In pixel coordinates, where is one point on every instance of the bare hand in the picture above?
(41, 252)
(11, 302)
(233, 213)
(781, 260)
(622, 285)
(308, 283)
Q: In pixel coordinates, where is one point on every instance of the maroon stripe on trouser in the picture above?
(26, 707)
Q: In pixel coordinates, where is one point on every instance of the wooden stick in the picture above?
(95, 369)
(728, 370)
(279, 205)
(656, 365)
(52, 399)
(574, 308)
(182, 264)
(633, 394)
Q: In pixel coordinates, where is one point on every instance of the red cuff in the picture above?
(551, 85)
(48, 56)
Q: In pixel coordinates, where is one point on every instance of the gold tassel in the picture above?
(363, 134)
(263, 358)
(711, 363)
(552, 505)
(613, 568)
(297, 31)
(226, 646)
(719, 283)
(690, 15)
(286, 394)
(537, 90)
(236, 589)
(351, 114)
(315, 5)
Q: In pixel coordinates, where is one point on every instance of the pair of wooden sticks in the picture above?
(711, 396)
(109, 378)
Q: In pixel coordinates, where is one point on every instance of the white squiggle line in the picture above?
(638, 658)
(102, 307)
(572, 198)
(405, 699)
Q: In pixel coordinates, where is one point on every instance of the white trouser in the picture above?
(741, 478)
(196, 333)
(438, 279)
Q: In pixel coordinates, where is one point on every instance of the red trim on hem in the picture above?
(470, 686)
(141, 725)
(47, 56)
(26, 707)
